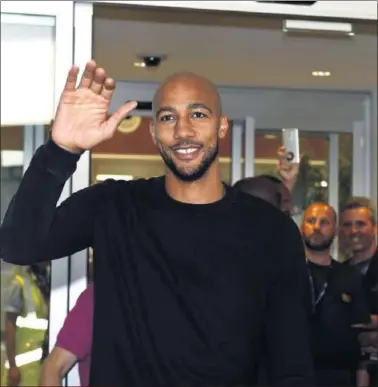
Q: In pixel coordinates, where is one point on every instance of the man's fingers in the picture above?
(118, 116)
(88, 75)
(99, 77)
(71, 79)
(108, 89)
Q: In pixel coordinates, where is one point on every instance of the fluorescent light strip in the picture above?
(115, 177)
(318, 26)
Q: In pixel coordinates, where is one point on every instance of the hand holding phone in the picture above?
(290, 141)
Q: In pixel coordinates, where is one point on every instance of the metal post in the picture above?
(78, 262)
(333, 181)
(236, 151)
(333, 171)
(28, 150)
(358, 181)
(249, 147)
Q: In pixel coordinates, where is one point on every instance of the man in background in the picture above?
(26, 323)
(337, 301)
(276, 191)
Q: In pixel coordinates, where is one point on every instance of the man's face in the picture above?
(318, 227)
(357, 229)
(186, 128)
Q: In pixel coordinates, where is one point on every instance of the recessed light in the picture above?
(139, 64)
(321, 73)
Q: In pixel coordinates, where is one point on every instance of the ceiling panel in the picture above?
(231, 49)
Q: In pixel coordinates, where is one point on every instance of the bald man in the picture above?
(187, 279)
(268, 188)
(336, 301)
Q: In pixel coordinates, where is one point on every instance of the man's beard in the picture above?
(195, 173)
(325, 245)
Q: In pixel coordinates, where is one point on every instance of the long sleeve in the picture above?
(287, 329)
(34, 229)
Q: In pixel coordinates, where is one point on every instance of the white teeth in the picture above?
(186, 151)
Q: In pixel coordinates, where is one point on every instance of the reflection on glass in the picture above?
(25, 291)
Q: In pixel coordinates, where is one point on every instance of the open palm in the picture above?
(82, 119)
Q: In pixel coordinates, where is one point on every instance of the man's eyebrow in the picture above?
(199, 106)
(165, 109)
(191, 106)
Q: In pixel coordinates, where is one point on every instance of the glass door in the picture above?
(36, 48)
(327, 170)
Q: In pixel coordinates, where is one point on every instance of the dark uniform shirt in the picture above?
(340, 302)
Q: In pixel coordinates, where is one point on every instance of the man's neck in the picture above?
(363, 256)
(208, 189)
(322, 258)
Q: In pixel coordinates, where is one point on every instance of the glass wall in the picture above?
(314, 175)
(33, 51)
(25, 291)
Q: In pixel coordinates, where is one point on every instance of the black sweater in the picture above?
(184, 293)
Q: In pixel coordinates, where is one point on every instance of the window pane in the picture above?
(27, 90)
(27, 65)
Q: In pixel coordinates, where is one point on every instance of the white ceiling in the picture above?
(231, 49)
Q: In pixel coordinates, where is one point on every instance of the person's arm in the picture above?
(33, 229)
(56, 367)
(287, 329)
(74, 341)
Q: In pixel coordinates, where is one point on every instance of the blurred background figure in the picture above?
(26, 325)
(274, 190)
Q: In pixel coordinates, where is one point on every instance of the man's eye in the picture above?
(198, 115)
(166, 118)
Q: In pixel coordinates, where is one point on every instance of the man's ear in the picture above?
(152, 131)
(223, 127)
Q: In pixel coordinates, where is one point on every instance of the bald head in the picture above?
(188, 80)
(323, 207)
(268, 188)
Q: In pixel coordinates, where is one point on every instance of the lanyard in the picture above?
(316, 300)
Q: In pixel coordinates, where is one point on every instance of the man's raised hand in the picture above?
(82, 120)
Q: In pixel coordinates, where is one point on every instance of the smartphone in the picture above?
(290, 140)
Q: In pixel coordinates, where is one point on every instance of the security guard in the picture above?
(336, 301)
(26, 321)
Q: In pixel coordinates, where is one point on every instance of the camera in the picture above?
(152, 60)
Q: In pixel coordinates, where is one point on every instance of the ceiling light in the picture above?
(139, 64)
(311, 26)
(321, 73)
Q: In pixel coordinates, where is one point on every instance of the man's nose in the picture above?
(184, 128)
